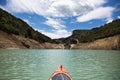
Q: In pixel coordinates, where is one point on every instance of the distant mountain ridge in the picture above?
(15, 33)
(83, 36)
(13, 25)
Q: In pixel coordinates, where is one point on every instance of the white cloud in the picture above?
(2, 7)
(30, 17)
(56, 33)
(54, 8)
(109, 20)
(61, 8)
(26, 21)
(55, 23)
(118, 17)
(99, 13)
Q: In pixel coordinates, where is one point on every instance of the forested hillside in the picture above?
(13, 25)
(105, 31)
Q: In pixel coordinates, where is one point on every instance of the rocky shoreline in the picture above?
(10, 41)
(110, 43)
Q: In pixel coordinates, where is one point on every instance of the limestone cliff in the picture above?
(110, 43)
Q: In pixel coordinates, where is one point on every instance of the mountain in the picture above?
(11, 41)
(13, 25)
(84, 36)
(15, 33)
(109, 43)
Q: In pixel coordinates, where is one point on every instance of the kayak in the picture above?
(60, 74)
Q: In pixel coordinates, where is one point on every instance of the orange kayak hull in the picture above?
(60, 74)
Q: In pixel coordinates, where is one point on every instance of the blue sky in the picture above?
(58, 18)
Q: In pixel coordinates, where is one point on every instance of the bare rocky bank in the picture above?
(110, 43)
(10, 41)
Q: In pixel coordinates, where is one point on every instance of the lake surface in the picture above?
(40, 64)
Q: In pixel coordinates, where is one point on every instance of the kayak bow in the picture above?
(60, 74)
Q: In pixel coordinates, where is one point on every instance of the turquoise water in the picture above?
(40, 64)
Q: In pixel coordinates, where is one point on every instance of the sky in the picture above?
(58, 18)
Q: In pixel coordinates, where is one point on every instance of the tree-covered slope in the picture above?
(105, 31)
(13, 25)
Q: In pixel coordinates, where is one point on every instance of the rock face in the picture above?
(10, 41)
(110, 43)
(85, 36)
(17, 34)
(103, 37)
